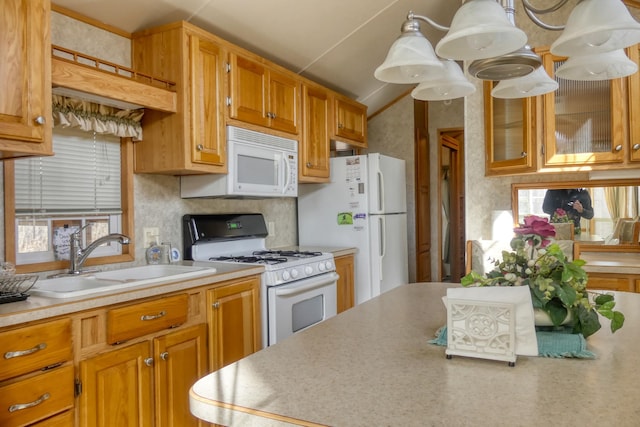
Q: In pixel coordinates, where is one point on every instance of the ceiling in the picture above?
(338, 43)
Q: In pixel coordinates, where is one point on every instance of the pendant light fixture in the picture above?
(450, 83)
(534, 84)
(597, 66)
(484, 32)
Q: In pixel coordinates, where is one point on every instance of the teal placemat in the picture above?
(550, 344)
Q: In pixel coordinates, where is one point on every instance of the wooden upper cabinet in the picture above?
(584, 122)
(350, 121)
(315, 145)
(25, 103)
(509, 126)
(193, 139)
(634, 107)
(261, 95)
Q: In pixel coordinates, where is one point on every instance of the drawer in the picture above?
(36, 398)
(61, 420)
(34, 347)
(610, 283)
(136, 320)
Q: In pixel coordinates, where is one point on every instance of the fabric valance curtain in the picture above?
(89, 116)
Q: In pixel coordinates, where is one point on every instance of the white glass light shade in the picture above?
(597, 26)
(600, 66)
(411, 59)
(449, 84)
(536, 83)
(480, 29)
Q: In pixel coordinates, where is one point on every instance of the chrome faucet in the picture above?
(78, 255)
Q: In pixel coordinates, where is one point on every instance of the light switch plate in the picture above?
(151, 235)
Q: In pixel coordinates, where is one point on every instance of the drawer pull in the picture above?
(153, 316)
(21, 406)
(12, 354)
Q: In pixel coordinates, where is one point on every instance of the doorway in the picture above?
(451, 198)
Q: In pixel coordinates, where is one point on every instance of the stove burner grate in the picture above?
(289, 253)
(256, 259)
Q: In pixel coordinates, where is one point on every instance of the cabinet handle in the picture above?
(523, 154)
(199, 147)
(216, 304)
(619, 147)
(20, 406)
(148, 361)
(153, 316)
(164, 355)
(12, 354)
(40, 120)
(309, 164)
(636, 147)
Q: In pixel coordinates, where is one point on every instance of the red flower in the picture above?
(539, 226)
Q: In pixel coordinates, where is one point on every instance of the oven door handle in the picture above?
(312, 283)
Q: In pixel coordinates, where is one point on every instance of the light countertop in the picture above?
(372, 365)
(38, 308)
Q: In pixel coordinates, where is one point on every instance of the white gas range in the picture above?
(298, 287)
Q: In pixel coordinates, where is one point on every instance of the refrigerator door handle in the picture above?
(382, 229)
(380, 191)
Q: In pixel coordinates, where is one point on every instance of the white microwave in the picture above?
(259, 165)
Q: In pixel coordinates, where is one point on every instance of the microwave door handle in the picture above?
(287, 169)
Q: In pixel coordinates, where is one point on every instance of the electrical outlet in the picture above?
(272, 229)
(151, 235)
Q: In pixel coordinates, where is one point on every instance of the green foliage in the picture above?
(557, 285)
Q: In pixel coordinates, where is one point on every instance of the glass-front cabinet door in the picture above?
(634, 107)
(509, 134)
(584, 121)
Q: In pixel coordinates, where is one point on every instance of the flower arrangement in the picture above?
(557, 285)
(560, 215)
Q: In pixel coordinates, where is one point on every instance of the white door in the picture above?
(389, 258)
(387, 184)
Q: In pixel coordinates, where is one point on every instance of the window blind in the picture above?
(83, 177)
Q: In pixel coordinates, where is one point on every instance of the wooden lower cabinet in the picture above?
(345, 268)
(233, 313)
(118, 386)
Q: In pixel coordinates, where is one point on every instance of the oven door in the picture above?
(301, 304)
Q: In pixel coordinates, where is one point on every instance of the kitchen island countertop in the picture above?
(372, 365)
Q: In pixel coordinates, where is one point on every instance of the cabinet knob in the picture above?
(309, 164)
(164, 355)
(199, 147)
(148, 361)
(636, 147)
(216, 304)
(523, 154)
(40, 120)
(340, 126)
(619, 147)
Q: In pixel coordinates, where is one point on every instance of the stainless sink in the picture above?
(73, 286)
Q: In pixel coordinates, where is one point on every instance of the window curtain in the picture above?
(92, 117)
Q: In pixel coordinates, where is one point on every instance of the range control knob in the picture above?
(328, 265)
(321, 266)
(286, 275)
(308, 270)
(294, 273)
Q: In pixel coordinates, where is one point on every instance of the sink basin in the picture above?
(73, 286)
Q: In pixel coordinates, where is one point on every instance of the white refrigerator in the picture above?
(364, 206)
